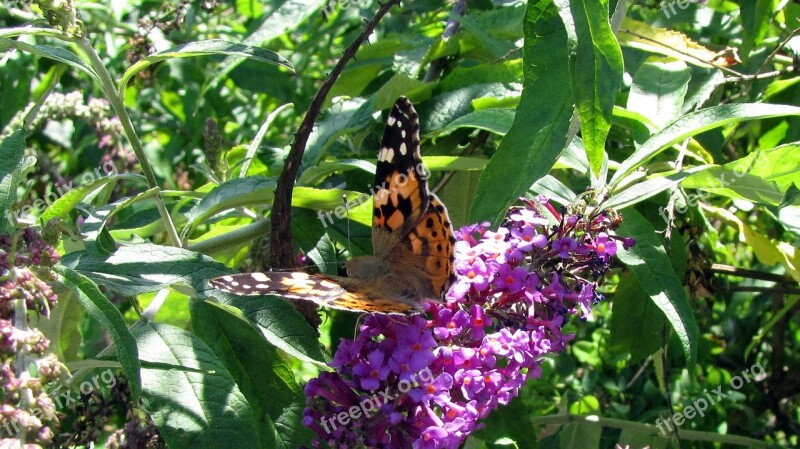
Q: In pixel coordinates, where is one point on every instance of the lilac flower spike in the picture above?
(425, 382)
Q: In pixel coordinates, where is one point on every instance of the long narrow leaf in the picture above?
(206, 48)
(54, 53)
(650, 264)
(101, 309)
(539, 131)
(695, 123)
(595, 71)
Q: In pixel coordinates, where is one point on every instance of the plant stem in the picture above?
(751, 274)
(115, 98)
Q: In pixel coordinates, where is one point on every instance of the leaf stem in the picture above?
(115, 98)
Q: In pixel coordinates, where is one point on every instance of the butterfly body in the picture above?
(412, 239)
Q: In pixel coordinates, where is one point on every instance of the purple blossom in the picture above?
(604, 246)
(564, 246)
(515, 290)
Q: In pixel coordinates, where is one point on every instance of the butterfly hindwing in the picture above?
(432, 242)
(329, 291)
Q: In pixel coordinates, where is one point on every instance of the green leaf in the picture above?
(649, 188)
(497, 121)
(313, 175)
(260, 372)
(329, 204)
(102, 310)
(189, 393)
(509, 422)
(732, 184)
(659, 89)
(649, 263)
(437, 112)
(580, 435)
(280, 324)
(454, 163)
(636, 322)
(539, 132)
(54, 53)
(251, 191)
(343, 117)
(555, 190)
(695, 123)
(11, 166)
(97, 220)
(780, 165)
(757, 16)
(205, 48)
(143, 268)
(285, 18)
(61, 327)
(497, 48)
(72, 196)
(595, 70)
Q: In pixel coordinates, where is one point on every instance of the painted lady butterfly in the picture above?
(412, 239)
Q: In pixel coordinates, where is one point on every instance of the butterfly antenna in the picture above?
(347, 217)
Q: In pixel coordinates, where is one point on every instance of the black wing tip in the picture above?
(404, 107)
(403, 103)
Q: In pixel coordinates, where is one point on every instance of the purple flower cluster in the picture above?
(22, 274)
(426, 383)
(26, 411)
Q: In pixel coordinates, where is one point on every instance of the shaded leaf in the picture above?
(205, 48)
(649, 263)
(189, 393)
(101, 309)
(11, 166)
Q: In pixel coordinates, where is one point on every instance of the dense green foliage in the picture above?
(682, 116)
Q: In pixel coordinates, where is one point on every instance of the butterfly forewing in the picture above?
(401, 188)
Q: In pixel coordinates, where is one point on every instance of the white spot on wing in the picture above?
(403, 149)
(260, 277)
(387, 154)
(403, 133)
(391, 120)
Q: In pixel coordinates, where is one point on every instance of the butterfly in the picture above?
(412, 239)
